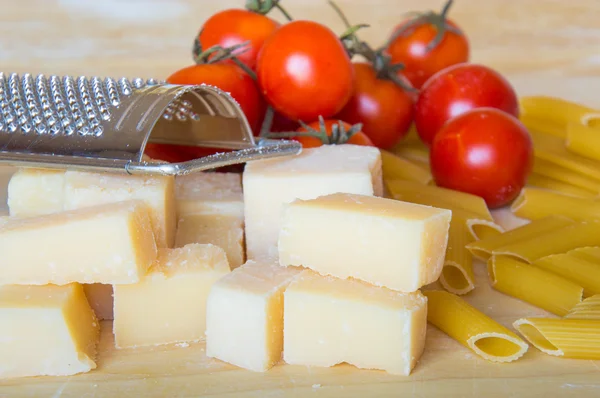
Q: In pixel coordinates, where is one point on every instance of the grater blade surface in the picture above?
(97, 124)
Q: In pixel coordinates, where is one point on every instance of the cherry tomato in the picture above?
(384, 109)
(457, 89)
(235, 26)
(304, 71)
(485, 152)
(229, 78)
(359, 138)
(427, 44)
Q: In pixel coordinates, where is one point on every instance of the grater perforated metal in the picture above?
(94, 124)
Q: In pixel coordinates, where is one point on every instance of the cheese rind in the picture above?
(210, 193)
(244, 318)
(110, 243)
(34, 192)
(270, 183)
(46, 331)
(384, 242)
(225, 231)
(100, 297)
(83, 189)
(169, 304)
(329, 321)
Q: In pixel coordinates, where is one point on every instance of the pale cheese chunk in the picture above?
(110, 243)
(225, 231)
(270, 183)
(83, 189)
(385, 242)
(210, 193)
(328, 321)
(100, 297)
(169, 304)
(244, 317)
(46, 331)
(34, 192)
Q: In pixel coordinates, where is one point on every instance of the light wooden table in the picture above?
(543, 46)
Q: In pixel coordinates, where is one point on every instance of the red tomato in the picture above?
(359, 138)
(485, 152)
(384, 109)
(229, 78)
(235, 26)
(410, 48)
(304, 71)
(457, 89)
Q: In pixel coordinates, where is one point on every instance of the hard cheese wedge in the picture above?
(46, 331)
(33, 192)
(385, 242)
(268, 184)
(225, 231)
(110, 243)
(158, 192)
(100, 297)
(210, 193)
(329, 321)
(169, 304)
(244, 317)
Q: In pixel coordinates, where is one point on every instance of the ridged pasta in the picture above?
(396, 168)
(587, 309)
(576, 268)
(542, 125)
(472, 328)
(457, 275)
(553, 110)
(534, 203)
(540, 181)
(484, 248)
(583, 140)
(548, 169)
(533, 285)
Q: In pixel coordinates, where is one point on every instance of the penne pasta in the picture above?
(542, 167)
(540, 181)
(396, 168)
(534, 203)
(533, 285)
(457, 274)
(553, 149)
(587, 309)
(591, 253)
(484, 248)
(414, 151)
(472, 328)
(553, 110)
(558, 241)
(542, 125)
(583, 140)
(562, 337)
(578, 270)
(470, 207)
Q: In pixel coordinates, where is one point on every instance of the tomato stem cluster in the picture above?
(338, 136)
(263, 7)
(216, 54)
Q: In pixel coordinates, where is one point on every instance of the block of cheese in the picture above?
(100, 297)
(46, 331)
(385, 242)
(169, 304)
(330, 321)
(210, 193)
(225, 231)
(270, 183)
(84, 189)
(244, 316)
(110, 243)
(33, 192)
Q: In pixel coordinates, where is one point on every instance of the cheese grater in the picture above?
(95, 124)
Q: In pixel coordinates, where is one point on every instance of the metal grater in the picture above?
(96, 124)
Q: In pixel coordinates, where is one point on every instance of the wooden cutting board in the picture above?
(446, 368)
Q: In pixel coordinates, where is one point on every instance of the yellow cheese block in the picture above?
(329, 321)
(158, 192)
(244, 316)
(270, 183)
(100, 297)
(169, 304)
(110, 243)
(46, 331)
(385, 242)
(225, 231)
(210, 193)
(33, 192)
